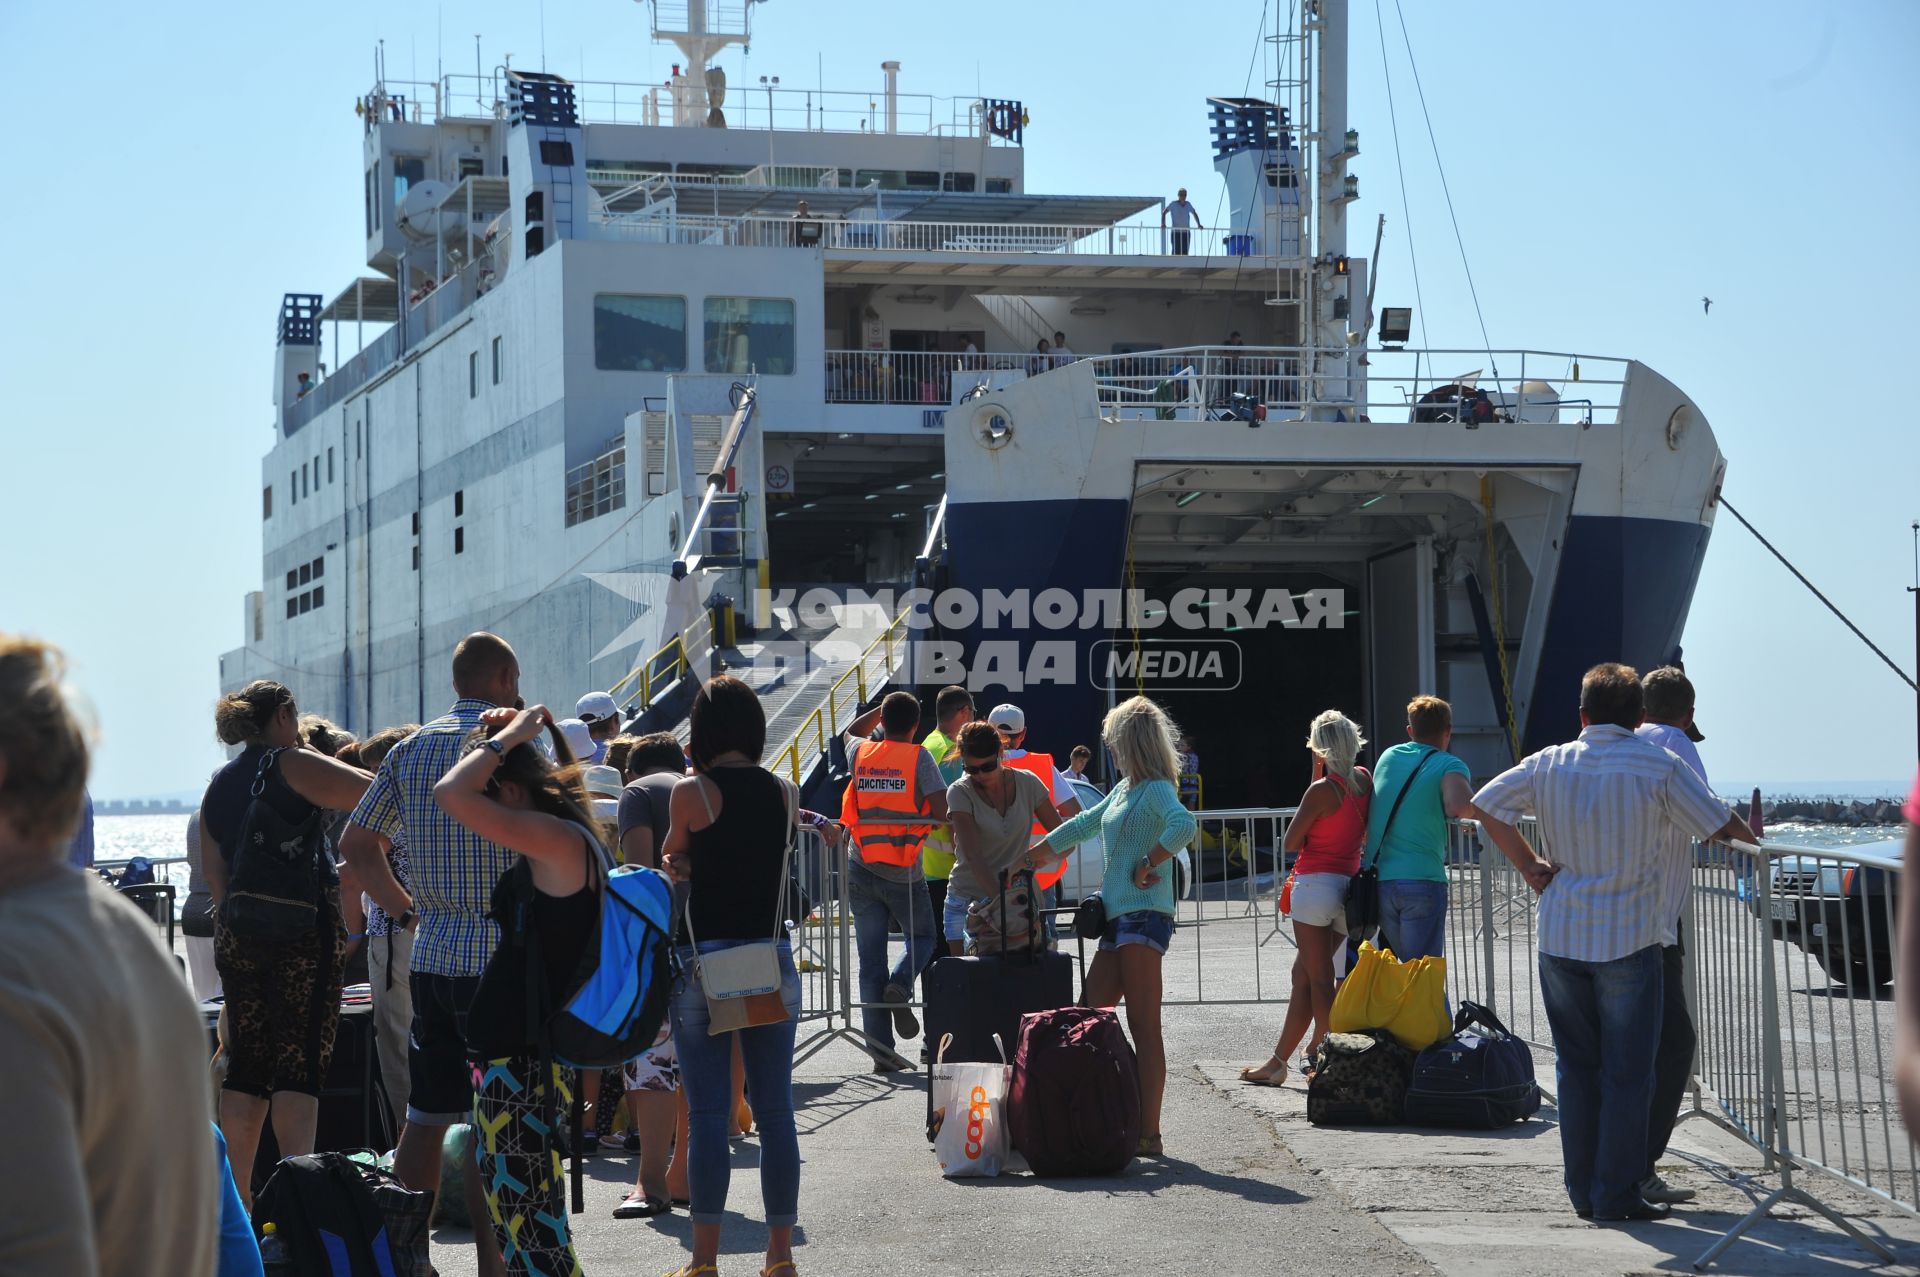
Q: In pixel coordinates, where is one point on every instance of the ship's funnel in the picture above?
(893, 95)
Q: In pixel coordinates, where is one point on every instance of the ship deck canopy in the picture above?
(372, 299)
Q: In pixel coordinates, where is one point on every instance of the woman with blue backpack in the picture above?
(505, 790)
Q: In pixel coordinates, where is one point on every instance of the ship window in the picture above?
(473, 374)
(999, 186)
(497, 351)
(956, 181)
(536, 208)
(536, 240)
(459, 540)
(293, 608)
(639, 333)
(416, 523)
(416, 558)
(304, 480)
(293, 578)
(319, 567)
(471, 166)
(459, 503)
(373, 179)
(407, 169)
(306, 573)
(293, 487)
(356, 441)
(329, 465)
(266, 502)
(557, 154)
(319, 595)
(306, 604)
(749, 334)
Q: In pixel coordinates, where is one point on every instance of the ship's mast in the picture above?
(1321, 284)
(699, 87)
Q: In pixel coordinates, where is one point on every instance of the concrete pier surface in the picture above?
(1248, 1187)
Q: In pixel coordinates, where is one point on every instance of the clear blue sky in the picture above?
(173, 171)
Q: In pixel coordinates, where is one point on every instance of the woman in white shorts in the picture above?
(1325, 837)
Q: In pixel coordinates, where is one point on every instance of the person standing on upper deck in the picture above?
(1669, 704)
(1610, 807)
(1183, 218)
(1062, 353)
(1420, 786)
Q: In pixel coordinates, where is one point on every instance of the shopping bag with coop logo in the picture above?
(970, 1114)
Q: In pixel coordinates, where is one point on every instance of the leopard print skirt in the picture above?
(283, 1005)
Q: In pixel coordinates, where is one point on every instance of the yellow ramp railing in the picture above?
(844, 698)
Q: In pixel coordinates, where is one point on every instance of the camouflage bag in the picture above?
(1359, 1079)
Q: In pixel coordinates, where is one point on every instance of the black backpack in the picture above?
(338, 1217)
(273, 895)
(1479, 1078)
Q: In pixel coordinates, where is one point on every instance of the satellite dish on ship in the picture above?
(422, 217)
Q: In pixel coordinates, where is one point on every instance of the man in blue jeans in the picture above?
(1609, 806)
(1417, 787)
(893, 781)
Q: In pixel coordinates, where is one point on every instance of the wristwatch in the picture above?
(493, 743)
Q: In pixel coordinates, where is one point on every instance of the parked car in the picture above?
(1088, 865)
(1840, 912)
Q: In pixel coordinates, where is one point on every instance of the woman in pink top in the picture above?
(1326, 837)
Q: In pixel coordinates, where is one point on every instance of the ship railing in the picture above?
(661, 225)
(684, 655)
(1249, 384)
(884, 658)
(464, 96)
(927, 377)
(425, 310)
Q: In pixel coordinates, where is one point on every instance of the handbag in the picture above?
(1090, 919)
(1407, 999)
(742, 983)
(1363, 889)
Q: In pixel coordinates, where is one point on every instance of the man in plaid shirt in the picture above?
(453, 874)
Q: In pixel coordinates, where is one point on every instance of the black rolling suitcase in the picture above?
(975, 998)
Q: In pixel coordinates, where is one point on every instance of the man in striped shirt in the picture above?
(1609, 806)
(452, 874)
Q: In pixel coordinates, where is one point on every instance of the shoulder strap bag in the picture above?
(1363, 889)
(742, 982)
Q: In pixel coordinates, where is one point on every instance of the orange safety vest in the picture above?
(1040, 766)
(879, 798)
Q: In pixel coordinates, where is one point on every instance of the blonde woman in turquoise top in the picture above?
(1143, 825)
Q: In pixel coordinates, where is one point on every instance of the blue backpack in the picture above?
(616, 998)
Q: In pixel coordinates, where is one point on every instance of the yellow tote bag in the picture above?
(1408, 999)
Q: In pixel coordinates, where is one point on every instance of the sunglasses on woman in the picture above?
(991, 765)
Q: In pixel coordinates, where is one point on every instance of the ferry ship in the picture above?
(624, 353)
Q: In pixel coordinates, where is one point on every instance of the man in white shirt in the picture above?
(1610, 808)
(1183, 217)
(1669, 702)
(1062, 354)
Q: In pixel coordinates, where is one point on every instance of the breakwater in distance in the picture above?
(1852, 813)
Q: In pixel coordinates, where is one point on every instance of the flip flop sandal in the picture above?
(1276, 1076)
(771, 1269)
(636, 1206)
(688, 1270)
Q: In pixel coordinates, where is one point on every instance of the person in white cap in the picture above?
(602, 717)
(1011, 722)
(579, 738)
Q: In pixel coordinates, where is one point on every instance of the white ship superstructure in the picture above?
(571, 288)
